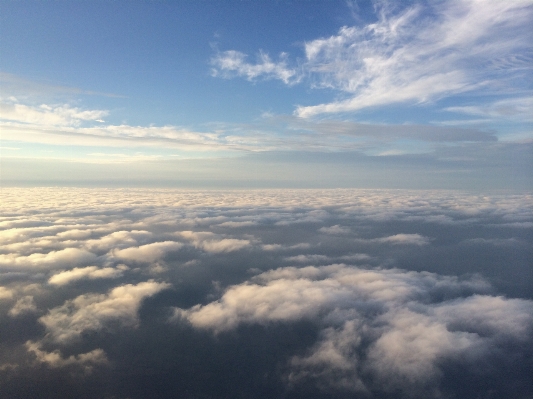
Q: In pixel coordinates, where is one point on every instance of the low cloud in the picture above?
(46, 261)
(92, 312)
(24, 305)
(419, 307)
(80, 273)
(209, 242)
(407, 334)
(148, 252)
(233, 63)
(55, 359)
(335, 230)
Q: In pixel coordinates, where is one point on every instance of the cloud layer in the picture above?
(316, 293)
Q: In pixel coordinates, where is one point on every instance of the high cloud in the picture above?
(45, 261)
(416, 54)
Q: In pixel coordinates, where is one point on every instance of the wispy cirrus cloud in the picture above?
(233, 63)
(513, 108)
(59, 115)
(416, 54)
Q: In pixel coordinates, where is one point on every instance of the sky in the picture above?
(266, 199)
(207, 94)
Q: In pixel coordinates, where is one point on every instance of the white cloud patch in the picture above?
(233, 63)
(416, 53)
(61, 115)
(210, 242)
(93, 312)
(5, 293)
(44, 261)
(374, 329)
(335, 230)
(55, 359)
(148, 252)
(118, 239)
(406, 334)
(508, 109)
(405, 239)
(80, 273)
(23, 305)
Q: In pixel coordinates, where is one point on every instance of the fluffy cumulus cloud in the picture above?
(308, 293)
(55, 359)
(89, 272)
(46, 261)
(210, 243)
(25, 304)
(92, 312)
(378, 322)
(148, 252)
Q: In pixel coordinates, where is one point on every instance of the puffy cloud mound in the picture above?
(148, 252)
(79, 273)
(390, 323)
(210, 243)
(94, 311)
(51, 260)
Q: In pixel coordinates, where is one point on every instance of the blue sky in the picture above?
(250, 93)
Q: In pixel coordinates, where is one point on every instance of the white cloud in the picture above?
(406, 336)
(292, 294)
(23, 305)
(233, 63)
(419, 53)
(47, 115)
(93, 312)
(55, 359)
(401, 239)
(148, 252)
(5, 293)
(210, 242)
(333, 360)
(335, 230)
(388, 327)
(416, 56)
(79, 273)
(44, 261)
(118, 239)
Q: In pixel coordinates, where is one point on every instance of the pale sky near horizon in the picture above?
(408, 94)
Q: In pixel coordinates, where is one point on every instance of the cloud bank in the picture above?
(314, 293)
